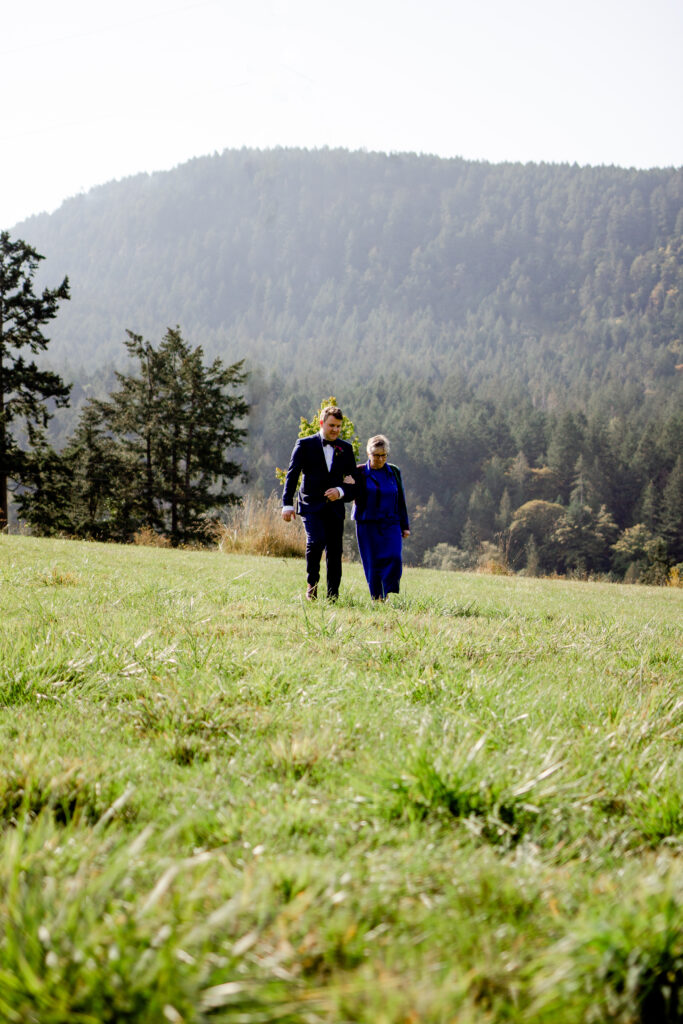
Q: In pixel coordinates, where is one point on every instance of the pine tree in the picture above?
(24, 388)
(175, 424)
(103, 500)
(584, 537)
(671, 527)
(197, 428)
(430, 527)
(504, 514)
(481, 511)
(45, 494)
(564, 448)
(630, 550)
(519, 475)
(133, 412)
(649, 504)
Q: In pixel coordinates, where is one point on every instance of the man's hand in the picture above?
(332, 494)
(288, 514)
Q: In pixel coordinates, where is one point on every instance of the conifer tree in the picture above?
(44, 499)
(24, 388)
(134, 412)
(504, 513)
(196, 428)
(564, 448)
(584, 537)
(175, 423)
(103, 499)
(672, 511)
(649, 502)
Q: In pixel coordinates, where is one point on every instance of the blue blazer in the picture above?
(308, 462)
(361, 495)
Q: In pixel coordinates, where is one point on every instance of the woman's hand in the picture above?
(349, 479)
(405, 533)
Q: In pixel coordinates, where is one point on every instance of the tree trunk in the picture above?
(174, 490)
(188, 474)
(150, 481)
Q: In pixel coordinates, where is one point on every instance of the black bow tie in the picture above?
(331, 443)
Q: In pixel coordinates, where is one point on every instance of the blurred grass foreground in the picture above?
(221, 804)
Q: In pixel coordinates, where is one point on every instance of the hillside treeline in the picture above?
(503, 480)
(517, 330)
(558, 279)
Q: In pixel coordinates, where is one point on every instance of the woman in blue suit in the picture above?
(381, 519)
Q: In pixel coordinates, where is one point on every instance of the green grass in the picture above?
(220, 803)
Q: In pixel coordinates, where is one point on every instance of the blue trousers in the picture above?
(381, 552)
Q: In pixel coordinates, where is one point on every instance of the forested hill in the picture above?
(517, 331)
(556, 281)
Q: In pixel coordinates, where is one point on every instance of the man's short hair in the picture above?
(331, 410)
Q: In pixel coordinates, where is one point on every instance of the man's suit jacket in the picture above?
(308, 462)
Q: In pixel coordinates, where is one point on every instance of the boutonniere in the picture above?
(338, 450)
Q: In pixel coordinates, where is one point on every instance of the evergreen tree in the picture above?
(197, 429)
(584, 538)
(481, 511)
(103, 501)
(630, 550)
(649, 504)
(504, 514)
(518, 474)
(157, 452)
(564, 449)
(672, 512)
(24, 388)
(44, 498)
(429, 528)
(470, 538)
(179, 420)
(134, 412)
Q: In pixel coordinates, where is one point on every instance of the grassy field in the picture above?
(219, 803)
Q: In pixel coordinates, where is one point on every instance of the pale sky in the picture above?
(98, 91)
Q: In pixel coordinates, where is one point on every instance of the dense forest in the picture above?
(517, 330)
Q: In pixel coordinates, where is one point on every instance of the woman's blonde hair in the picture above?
(378, 443)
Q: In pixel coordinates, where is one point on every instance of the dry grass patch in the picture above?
(256, 527)
(57, 578)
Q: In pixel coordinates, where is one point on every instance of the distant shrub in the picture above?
(676, 575)
(491, 559)
(448, 558)
(147, 537)
(256, 527)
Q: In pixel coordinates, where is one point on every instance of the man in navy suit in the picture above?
(322, 461)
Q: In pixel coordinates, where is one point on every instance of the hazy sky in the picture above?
(96, 91)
